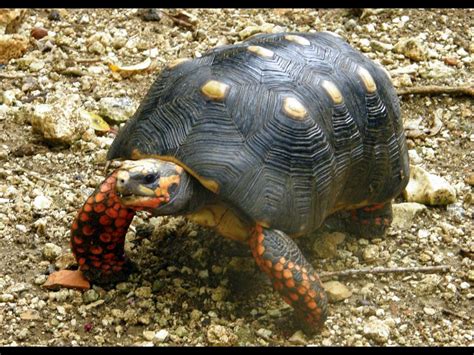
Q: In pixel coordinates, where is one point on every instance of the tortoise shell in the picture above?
(287, 128)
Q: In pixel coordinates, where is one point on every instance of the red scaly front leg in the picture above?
(98, 235)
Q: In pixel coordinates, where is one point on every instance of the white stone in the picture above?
(404, 214)
(376, 330)
(51, 251)
(42, 202)
(61, 121)
(336, 291)
(161, 335)
(429, 311)
(428, 189)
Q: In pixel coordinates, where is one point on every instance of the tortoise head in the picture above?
(154, 185)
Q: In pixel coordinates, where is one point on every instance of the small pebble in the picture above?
(51, 251)
(161, 336)
(429, 311)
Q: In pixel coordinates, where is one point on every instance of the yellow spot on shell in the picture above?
(297, 39)
(332, 91)
(215, 90)
(260, 51)
(177, 62)
(367, 79)
(294, 108)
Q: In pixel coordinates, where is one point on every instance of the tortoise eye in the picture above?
(150, 178)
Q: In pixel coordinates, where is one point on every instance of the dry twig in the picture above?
(437, 90)
(447, 311)
(38, 177)
(381, 270)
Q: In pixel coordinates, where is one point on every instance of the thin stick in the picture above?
(381, 270)
(16, 76)
(447, 311)
(48, 181)
(437, 90)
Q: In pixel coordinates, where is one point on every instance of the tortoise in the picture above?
(262, 141)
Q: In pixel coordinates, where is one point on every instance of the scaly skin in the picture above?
(98, 235)
(292, 275)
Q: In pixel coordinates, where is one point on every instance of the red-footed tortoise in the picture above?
(261, 141)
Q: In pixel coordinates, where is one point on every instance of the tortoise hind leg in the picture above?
(370, 221)
(292, 276)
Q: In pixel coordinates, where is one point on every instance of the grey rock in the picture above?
(411, 48)
(220, 335)
(51, 251)
(404, 214)
(90, 296)
(376, 330)
(428, 188)
(326, 245)
(161, 336)
(117, 109)
(60, 122)
(336, 291)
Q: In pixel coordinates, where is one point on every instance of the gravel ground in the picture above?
(195, 288)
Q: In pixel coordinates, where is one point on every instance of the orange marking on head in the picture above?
(110, 202)
(111, 213)
(378, 221)
(105, 237)
(99, 208)
(105, 267)
(165, 182)
(282, 260)
(311, 293)
(87, 208)
(294, 296)
(290, 265)
(268, 263)
(259, 229)
(260, 249)
(90, 200)
(96, 263)
(287, 274)
(88, 230)
(116, 268)
(304, 276)
(290, 283)
(117, 206)
(260, 238)
(84, 217)
(75, 225)
(81, 261)
(105, 220)
(80, 250)
(287, 300)
(297, 267)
